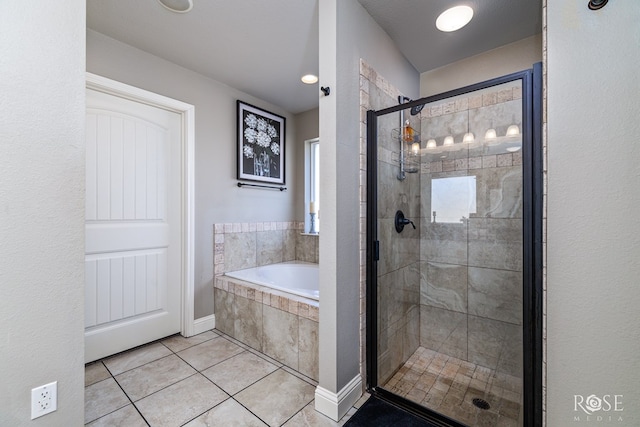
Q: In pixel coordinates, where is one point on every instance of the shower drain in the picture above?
(481, 403)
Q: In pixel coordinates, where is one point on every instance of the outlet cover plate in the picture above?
(44, 399)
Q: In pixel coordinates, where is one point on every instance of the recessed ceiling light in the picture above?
(178, 6)
(309, 79)
(455, 18)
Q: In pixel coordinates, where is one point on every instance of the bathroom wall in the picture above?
(471, 268)
(42, 179)
(217, 199)
(592, 199)
(399, 268)
(347, 34)
(507, 59)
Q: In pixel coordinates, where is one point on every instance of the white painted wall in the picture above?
(307, 127)
(347, 33)
(593, 241)
(507, 59)
(217, 198)
(42, 208)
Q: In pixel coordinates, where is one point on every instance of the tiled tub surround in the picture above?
(244, 245)
(281, 325)
(471, 271)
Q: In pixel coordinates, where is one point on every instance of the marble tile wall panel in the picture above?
(248, 320)
(245, 245)
(269, 247)
(496, 294)
(399, 292)
(444, 286)
(444, 243)
(511, 357)
(498, 116)
(397, 250)
(239, 251)
(223, 306)
(444, 331)
(384, 366)
(289, 245)
(495, 243)
(411, 331)
(395, 339)
(308, 351)
(499, 192)
(486, 340)
(439, 127)
(280, 331)
(307, 248)
(394, 195)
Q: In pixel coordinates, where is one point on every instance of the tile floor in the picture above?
(448, 385)
(206, 380)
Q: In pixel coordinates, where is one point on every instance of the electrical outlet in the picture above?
(44, 399)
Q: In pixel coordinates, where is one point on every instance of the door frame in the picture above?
(187, 211)
(532, 323)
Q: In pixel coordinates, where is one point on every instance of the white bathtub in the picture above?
(295, 278)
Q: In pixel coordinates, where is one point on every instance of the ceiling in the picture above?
(264, 47)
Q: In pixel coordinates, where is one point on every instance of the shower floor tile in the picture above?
(448, 385)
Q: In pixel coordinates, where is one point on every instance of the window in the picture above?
(312, 184)
(453, 200)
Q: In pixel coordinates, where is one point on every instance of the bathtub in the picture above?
(292, 277)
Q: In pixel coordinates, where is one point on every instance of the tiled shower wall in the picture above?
(462, 294)
(399, 268)
(471, 271)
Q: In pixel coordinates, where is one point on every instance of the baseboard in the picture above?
(204, 324)
(335, 405)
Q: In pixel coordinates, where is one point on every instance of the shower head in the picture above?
(415, 110)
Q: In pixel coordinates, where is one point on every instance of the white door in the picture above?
(133, 224)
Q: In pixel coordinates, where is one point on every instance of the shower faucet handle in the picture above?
(401, 221)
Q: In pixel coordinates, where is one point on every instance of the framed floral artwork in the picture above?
(261, 145)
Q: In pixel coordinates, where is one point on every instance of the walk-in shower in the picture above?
(453, 275)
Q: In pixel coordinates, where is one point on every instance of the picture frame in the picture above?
(261, 149)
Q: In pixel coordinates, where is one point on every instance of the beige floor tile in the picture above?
(102, 398)
(127, 416)
(137, 357)
(365, 396)
(154, 376)
(277, 397)
(230, 414)
(209, 353)
(181, 402)
(309, 417)
(94, 372)
(239, 372)
(178, 343)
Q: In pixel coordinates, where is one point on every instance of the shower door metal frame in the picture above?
(532, 188)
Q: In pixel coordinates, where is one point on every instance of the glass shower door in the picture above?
(449, 282)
